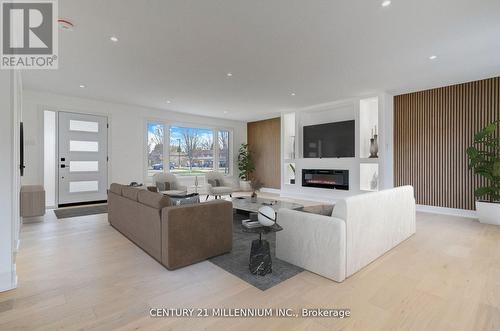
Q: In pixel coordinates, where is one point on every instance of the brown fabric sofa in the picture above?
(175, 236)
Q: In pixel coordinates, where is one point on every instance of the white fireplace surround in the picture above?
(361, 168)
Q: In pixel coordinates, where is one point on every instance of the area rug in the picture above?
(236, 262)
(81, 211)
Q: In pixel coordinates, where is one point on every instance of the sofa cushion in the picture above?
(116, 188)
(130, 192)
(325, 210)
(222, 190)
(174, 192)
(165, 186)
(155, 200)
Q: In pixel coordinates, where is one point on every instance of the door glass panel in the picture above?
(83, 186)
(79, 166)
(83, 146)
(84, 126)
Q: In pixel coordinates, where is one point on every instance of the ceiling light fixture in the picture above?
(168, 101)
(229, 74)
(292, 94)
(225, 111)
(432, 57)
(113, 39)
(83, 86)
(386, 3)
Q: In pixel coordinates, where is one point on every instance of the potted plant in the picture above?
(245, 166)
(484, 159)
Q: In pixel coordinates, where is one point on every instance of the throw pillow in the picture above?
(186, 200)
(212, 182)
(218, 182)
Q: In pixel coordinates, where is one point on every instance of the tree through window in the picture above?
(191, 150)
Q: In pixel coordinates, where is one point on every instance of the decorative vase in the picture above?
(245, 185)
(374, 147)
(488, 212)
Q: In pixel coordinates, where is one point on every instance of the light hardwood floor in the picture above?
(80, 273)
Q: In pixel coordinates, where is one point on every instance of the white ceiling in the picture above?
(181, 50)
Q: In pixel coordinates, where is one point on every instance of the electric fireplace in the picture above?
(329, 179)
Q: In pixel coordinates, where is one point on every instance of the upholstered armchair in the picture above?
(168, 184)
(219, 185)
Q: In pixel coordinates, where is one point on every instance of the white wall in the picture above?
(9, 176)
(126, 134)
(334, 112)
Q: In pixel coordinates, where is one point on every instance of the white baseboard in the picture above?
(270, 190)
(447, 211)
(8, 280)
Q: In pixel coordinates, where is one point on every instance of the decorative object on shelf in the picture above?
(245, 166)
(374, 144)
(256, 185)
(484, 160)
(135, 184)
(374, 182)
(292, 147)
(267, 216)
(292, 167)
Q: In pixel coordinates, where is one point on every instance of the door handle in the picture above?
(63, 166)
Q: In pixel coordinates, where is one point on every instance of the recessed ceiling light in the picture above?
(229, 74)
(225, 111)
(168, 101)
(433, 57)
(386, 3)
(113, 39)
(83, 86)
(292, 94)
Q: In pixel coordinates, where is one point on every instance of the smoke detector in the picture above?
(65, 24)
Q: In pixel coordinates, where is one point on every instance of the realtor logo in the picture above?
(29, 34)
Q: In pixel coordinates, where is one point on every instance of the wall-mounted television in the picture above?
(329, 140)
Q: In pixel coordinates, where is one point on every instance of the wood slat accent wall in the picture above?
(432, 130)
(264, 140)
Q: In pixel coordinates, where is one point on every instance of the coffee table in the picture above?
(252, 205)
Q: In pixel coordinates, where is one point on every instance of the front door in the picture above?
(83, 158)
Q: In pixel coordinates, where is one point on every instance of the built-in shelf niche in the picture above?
(368, 124)
(290, 142)
(290, 173)
(368, 177)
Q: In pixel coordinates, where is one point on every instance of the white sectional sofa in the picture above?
(360, 229)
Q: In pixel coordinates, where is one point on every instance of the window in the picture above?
(156, 136)
(223, 140)
(187, 151)
(191, 150)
